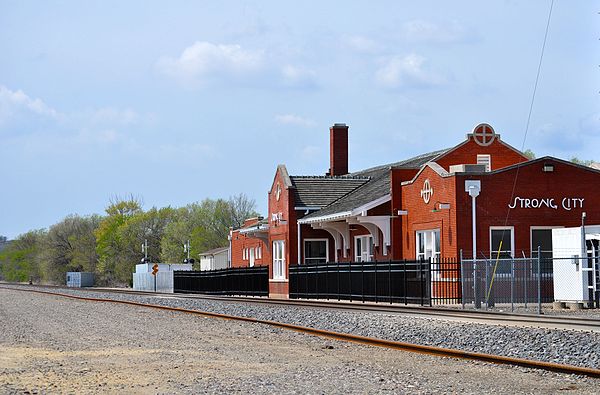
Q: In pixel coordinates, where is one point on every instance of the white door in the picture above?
(251, 257)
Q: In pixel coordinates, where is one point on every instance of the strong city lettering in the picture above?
(567, 203)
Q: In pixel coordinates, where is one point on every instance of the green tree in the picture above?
(529, 153)
(108, 243)
(19, 261)
(149, 226)
(206, 225)
(69, 245)
(581, 162)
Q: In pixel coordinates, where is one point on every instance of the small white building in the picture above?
(144, 280)
(215, 259)
(576, 279)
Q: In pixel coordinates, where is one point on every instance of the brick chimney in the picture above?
(338, 149)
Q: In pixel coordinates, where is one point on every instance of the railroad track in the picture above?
(473, 316)
(431, 350)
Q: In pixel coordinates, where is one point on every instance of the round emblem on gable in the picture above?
(427, 191)
(278, 192)
(483, 134)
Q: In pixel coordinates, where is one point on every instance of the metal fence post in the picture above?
(405, 283)
(327, 278)
(338, 280)
(306, 272)
(512, 285)
(375, 267)
(350, 280)
(317, 295)
(475, 285)
(462, 280)
(390, 279)
(362, 281)
(527, 264)
(429, 282)
(539, 281)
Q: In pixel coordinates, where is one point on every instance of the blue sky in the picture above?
(179, 101)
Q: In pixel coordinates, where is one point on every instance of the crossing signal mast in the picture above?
(186, 249)
(145, 251)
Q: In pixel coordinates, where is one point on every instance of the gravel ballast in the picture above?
(551, 345)
(53, 344)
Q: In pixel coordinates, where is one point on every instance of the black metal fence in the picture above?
(248, 281)
(408, 282)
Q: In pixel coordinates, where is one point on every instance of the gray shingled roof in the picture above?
(319, 191)
(378, 185)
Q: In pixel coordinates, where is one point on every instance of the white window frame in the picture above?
(512, 240)
(531, 229)
(486, 159)
(251, 257)
(278, 259)
(244, 254)
(436, 254)
(258, 252)
(326, 249)
(358, 255)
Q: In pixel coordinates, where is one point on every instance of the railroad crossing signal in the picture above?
(155, 269)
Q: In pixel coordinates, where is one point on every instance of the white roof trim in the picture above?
(373, 204)
(254, 229)
(435, 167)
(326, 218)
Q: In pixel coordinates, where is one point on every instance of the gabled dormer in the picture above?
(483, 147)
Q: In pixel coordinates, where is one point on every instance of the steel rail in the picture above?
(497, 318)
(416, 348)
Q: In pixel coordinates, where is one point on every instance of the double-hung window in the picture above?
(502, 248)
(279, 260)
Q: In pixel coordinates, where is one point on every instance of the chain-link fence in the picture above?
(544, 278)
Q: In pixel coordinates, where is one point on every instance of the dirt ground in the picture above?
(56, 345)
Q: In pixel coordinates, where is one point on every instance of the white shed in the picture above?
(215, 259)
(575, 279)
(144, 280)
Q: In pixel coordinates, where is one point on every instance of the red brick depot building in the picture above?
(465, 199)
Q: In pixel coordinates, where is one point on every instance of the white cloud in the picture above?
(14, 102)
(291, 119)
(114, 116)
(407, 71)
(362, 44)
(298, 77)
(424, 31)
(202, 60)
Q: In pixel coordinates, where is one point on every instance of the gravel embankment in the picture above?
(551, 345)
(58, 345)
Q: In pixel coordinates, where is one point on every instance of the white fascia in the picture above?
(255, 229)
(326, 218)
(362, 210)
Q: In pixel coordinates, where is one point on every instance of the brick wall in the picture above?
(425, 216)
(566, 181)
(501, 154)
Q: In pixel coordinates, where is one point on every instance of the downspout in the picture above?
(299, 247)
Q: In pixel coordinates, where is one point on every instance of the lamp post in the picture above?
(473, 187)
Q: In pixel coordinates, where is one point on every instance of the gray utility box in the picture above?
(80, 279)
